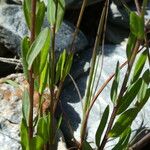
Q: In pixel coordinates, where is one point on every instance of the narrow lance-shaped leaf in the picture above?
(144, 100)
(25, 45)
(58, 126)
(41, 44)
(42, 128)
(55, 12)
(43, 78)
(41, 8)
(27, 12)
(101, 126)
(137, 25)
(64, 57)
(58, 69)
(144, 92)
(13, 83)
(144, 5)
(86, 146)
(129, 96)
(25, 106)
(36, 143)
(24, 135)
(115, 84)
(60, 66)
(123, 140)
(123, 122)
(130, 45)
(68, 65)
(144, 85)
(139, 65)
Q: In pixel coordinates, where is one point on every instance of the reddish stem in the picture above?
(31, 79)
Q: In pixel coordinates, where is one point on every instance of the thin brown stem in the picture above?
(78, 23)
(77, 89)
(98, 93)
(100, 90)
(138, 6)
(31, 78)
(123, 89)
(101, 28)
(52, 73)
(141, 143)
(52, 80)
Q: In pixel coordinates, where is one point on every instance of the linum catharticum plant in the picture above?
(135, 86)
(42, 69)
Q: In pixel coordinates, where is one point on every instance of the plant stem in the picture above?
(52, 73)
(52, 80)
(138, 7)
(58, 94)
(123, 89)
(31, 78)
(141, 143)
(96, 44)
(78, 23)
(102, 23)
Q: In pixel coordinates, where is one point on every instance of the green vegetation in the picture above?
(43, 70)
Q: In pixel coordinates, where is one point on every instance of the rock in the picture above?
(10, 114)
(71, 105)
(74, 4)
(10, 101)
(13, 28)
(118, 21)
(70, 4)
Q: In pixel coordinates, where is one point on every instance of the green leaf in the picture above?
(58, 126)
(123, 140)
(137, 25)
(41, 8)
(25, 45)
(68, 65)
(144, 6)
(139, 66)
(123, 122)
(102, 126)
(86, 146)
(59, 122)
(55, 12)
(142, 102)
(25, 106)
(24, 135)
(40, 46)
(130, 45)
(60, 66)
(36, 143)
(146, 76)
(27, 12)
(144, 87)
(64, 55)
(115, 84)
(58, 69)
(43, 78)
(13, 83)
(129, 96)
(43, 128)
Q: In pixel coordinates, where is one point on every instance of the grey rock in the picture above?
(74, 4)
(9, 118)
(10, 115)
(118, 21)
(13, 28)
(70, 4)
(72, 106)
